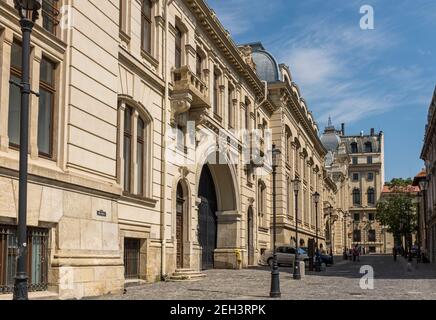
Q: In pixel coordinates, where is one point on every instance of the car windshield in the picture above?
(301, 251)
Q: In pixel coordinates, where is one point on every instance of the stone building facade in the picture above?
(296, 134)
(138, 146)
(337, 164)
(366, 176)
(356, 164)
(429, 196)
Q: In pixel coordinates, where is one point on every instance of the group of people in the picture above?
(354, 253)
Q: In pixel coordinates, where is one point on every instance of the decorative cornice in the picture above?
(210, 23)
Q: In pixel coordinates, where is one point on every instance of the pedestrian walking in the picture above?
(395, 253)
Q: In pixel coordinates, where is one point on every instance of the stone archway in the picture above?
(219, 219)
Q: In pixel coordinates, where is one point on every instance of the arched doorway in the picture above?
(180, 211)
(207, 218)
(250, 236)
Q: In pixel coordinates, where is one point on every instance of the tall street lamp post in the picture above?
(29, 13)
(346, 214)
(297, 274)
(423, 184)
(316, 198)
(275, 275)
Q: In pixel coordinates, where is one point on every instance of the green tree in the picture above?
(398, 213)
(399, 182)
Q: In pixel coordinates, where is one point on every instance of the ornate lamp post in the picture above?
(29, 13)
(297, 274)
(316, 198)
(275, 275)
(423, 184)
(346, 215)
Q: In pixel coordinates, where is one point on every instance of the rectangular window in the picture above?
(50, 15)
(231, 109)
(47, 92)
(140, 156)
(371, 216)
(372, 236)
(247, 114)
(357, 236)
(37, 258)
(370, 176)
(146, 25)
(355, 177)
(355, 160)
(123, 16)
(215, 92)
(369, 160)
(199, 66)
(15, 96)
(128, 149)
(178, 48)
(357, 217)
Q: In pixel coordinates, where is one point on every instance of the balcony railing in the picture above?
(186, 81)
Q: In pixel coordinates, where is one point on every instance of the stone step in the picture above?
(186, 275)
(185, 271)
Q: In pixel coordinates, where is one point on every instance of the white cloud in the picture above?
(314, 65)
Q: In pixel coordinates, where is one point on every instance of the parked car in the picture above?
(285, 256)
(327, 259)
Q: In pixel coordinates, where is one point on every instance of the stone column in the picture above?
(120, 153)
(135, 181)
(229, 239)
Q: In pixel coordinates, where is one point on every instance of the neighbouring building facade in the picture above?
(367, 178)
(337, 162)
(296, 134)
(356, 164)
(429, 195)
(122, 185)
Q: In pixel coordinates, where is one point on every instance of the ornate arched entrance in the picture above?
(219, 221)
(207, 218)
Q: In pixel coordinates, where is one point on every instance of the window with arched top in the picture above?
(371, 196)
(356, 197)
(354, 148)
(134, 148)
(368, 147)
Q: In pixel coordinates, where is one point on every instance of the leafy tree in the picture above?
(398, 213)
(399, 182)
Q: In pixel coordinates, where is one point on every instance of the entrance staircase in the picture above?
(186, 275)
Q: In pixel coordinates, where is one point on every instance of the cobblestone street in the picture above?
(393, 280)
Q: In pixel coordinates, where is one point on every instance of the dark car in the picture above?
(325, 258)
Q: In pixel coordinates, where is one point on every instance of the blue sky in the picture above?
(382, 78)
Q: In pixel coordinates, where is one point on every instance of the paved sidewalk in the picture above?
(393, 280)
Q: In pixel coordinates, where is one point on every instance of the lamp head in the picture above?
(275, 155)
(316, 197)
(297, 183)
(28, 5)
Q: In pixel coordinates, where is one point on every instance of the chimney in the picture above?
(372, 132)
(343, 129)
